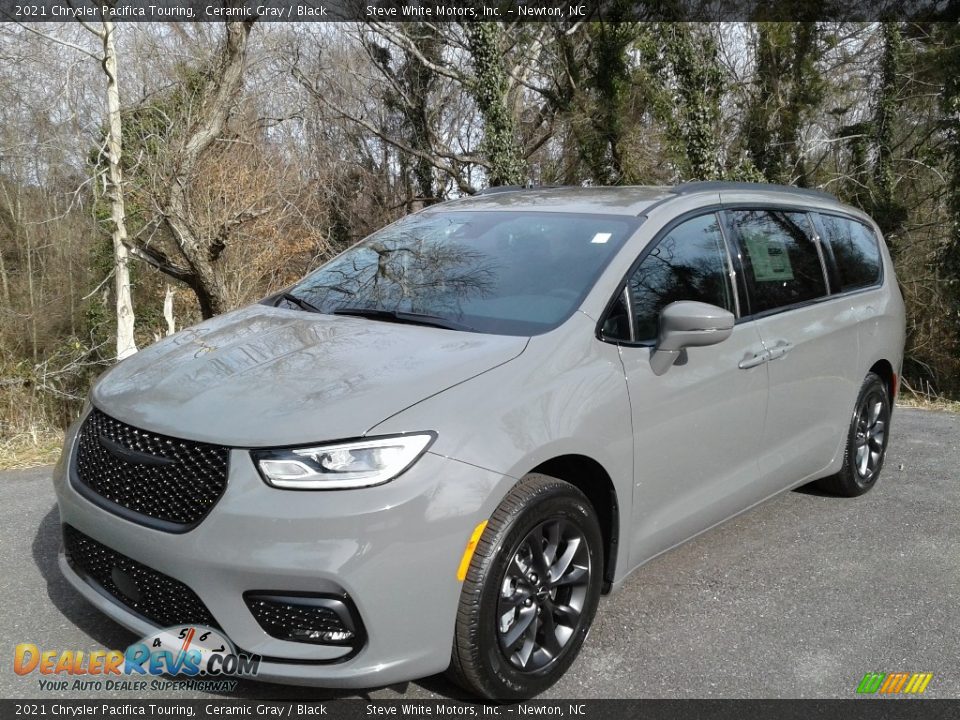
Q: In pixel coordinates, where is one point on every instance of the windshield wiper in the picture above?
(298, 301)
(398, 316)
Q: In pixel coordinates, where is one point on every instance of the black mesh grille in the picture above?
(157, 597)
(283, 617)
(171, 480)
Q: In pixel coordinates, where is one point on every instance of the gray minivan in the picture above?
(438, 450)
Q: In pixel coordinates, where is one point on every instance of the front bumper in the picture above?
(394, 549)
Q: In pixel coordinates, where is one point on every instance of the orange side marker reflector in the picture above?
(469, 550)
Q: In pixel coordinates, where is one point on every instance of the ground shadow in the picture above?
(813, 489)
(108, 634)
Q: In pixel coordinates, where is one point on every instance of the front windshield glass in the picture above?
(512, 273)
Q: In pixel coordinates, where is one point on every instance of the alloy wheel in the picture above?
(542, 594)
(871, 431)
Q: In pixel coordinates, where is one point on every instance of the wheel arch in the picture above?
(592, 479)
(885, 370)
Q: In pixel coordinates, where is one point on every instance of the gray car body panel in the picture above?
(252, 378)
(684, 451)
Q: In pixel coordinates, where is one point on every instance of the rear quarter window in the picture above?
(855, 249)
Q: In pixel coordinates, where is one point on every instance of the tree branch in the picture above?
(159, 260)
(388, 31)
(64, 43)
(435, 158)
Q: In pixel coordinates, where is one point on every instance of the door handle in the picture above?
(752, 362)
(779, 350)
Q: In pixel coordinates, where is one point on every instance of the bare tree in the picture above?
(126, 344)
(197, 253)
(488, 114)
(113, 181)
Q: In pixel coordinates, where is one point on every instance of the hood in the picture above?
(264, 376)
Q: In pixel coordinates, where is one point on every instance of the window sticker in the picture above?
(769, 258)
(601, 238)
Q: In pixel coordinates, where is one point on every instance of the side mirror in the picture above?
(688, 324)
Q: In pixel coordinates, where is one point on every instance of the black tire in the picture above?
(866, 441)
(502, 592)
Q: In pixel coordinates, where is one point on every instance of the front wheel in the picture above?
(866, 441)
(530, 593)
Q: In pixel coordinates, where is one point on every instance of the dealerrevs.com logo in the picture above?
(896, 683)
(186, 651)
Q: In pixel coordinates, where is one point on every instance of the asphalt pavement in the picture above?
(798, 597)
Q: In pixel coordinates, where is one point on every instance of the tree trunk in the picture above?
(4, 276)
(601, 137)
(4, 282)
(126, 344)
(168, 310)
(699, 85)
(215, 103)
(31, 293)
(887, 210)
(500, 143)
(804, 96)
(420, 80)
(950, 109)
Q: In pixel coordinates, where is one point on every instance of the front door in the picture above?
(697, 428)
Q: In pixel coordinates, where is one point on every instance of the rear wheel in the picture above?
(866, 441)
(530, 593)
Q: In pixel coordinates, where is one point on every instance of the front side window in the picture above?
(689, 263)
(855, 251)
(780, 257)
(512, 273)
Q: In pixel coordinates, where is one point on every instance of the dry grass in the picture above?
(927, 402)
(30, 449)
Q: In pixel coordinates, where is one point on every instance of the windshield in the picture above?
(511, 273)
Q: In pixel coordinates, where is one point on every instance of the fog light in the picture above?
(327, 636)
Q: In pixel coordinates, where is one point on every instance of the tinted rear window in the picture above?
(856, 252)
(781, 261)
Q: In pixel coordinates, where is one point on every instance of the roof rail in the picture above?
(502, 188)
(720, 185)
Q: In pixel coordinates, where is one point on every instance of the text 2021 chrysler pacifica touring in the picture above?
(438, 450)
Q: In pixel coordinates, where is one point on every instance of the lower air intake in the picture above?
(149, 593)
(317, 619)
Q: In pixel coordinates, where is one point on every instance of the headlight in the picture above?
(354, 464)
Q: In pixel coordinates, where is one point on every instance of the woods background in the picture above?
(155, 174)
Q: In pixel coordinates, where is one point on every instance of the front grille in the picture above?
(149, 593)
(323, 620)
(173, 481)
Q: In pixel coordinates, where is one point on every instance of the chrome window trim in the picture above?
(731, 270)
(631, 321)
(818, 244)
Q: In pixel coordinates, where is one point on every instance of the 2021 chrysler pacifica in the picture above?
(438, 450)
